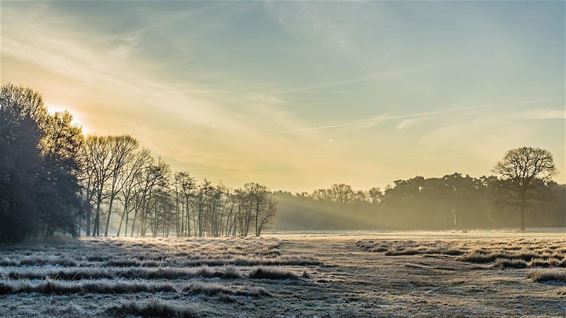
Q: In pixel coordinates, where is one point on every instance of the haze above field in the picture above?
(302, 95)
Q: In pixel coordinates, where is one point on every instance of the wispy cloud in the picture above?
(367, 122)
(410, 119)
(111, 70)
(367, 78)
(545, 114)
(406, 123)
(154, 21)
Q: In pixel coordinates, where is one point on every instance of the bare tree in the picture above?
(98, 162)
(156, 179)
(524, 169)
(51, 176)
(375, 195)
(129, 182)
(122, 152)
(185, 185)
(266, 215)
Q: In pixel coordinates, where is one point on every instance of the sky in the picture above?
(302, 95)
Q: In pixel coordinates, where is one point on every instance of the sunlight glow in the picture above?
(58, 108)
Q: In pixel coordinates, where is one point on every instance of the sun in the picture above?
(77, 121)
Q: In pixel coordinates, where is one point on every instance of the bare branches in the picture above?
(525, 165)
(523, 170)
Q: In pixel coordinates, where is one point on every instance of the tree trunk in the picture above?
(257, 218)
(187, 211)
(134, 222)
(88, 213)
(126, 224)
(80, 221)
(109, 213)
(523, 227)
(122, 218)
(96, 230)
(523, 205)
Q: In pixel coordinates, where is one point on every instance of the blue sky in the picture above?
(300, 95)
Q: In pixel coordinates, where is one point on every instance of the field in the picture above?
(488, 274)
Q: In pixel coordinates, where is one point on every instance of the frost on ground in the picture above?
(362, 275)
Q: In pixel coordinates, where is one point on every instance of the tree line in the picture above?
(520, 194)
(53, 179)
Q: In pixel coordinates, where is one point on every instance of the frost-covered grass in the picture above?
(81, 273)
(510, 263)
(160, 273)
(216, 289)
(151, 308)
(548, 275)
(506, 253)
(296, 275)
(272, 273)
(37, 261)
(503, 254)
(223, 271)
(53, 287)
(170, 252)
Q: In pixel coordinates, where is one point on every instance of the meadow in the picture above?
(288, 275)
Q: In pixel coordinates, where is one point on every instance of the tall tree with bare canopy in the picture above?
(524, 170)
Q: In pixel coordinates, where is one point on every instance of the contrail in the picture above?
(380, 118)
(366, 78)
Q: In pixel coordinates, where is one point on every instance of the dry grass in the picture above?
(272, 273)
(151, 308)
(218, 289)
(504, 254)
(308, 275)
(548, 275)
(518, 253)
(52, 287)
(218, 270)
(510, 263)
(81, 273)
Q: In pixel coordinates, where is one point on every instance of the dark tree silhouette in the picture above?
(20, 162)
(39, 164)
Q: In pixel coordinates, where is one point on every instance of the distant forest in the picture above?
(453, 201)
(56, 181)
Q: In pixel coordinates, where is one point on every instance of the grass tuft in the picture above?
(272, 273)
(52, 287)
(154, 308)
(217, 289)
(504, 263)
(548, 275)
